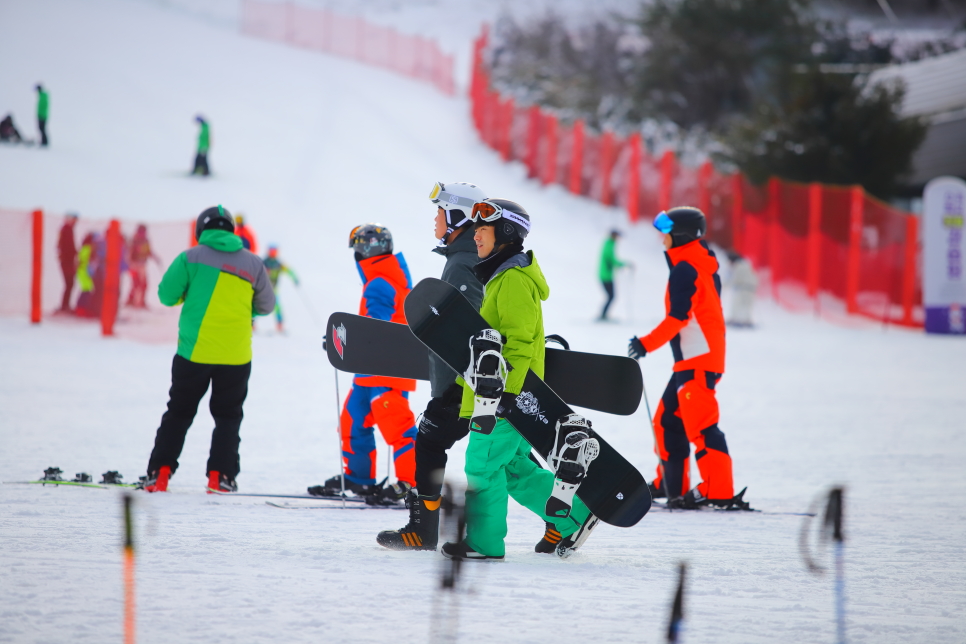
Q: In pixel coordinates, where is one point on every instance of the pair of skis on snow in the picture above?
(441, 321)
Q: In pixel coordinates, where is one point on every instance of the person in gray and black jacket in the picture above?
(441, 426)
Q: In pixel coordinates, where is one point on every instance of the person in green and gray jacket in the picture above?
(43, 108)
(220, 286)
(204, 143)
(498, 464)
(609, 262)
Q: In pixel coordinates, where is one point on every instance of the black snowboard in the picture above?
(611, 384)
(444, 320)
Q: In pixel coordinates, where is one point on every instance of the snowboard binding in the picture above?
(52, 474)
(574, 448)
(82, 477)
(112, 477)
(486, 376)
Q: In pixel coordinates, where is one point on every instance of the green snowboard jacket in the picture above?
(221, 286)
(512, 305)
(609, 261)
(43, 105)
(204, 138)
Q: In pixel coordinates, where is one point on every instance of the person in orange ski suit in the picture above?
(377, 400)
(688, 411)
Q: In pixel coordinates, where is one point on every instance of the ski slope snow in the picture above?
(308, 146)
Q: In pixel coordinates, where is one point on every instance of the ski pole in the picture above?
(338, 434)
(834, 516)
(660, 461)
(308, 306)
(129, 614)
(677, 608)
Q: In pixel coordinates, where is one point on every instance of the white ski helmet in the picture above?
(457, 199)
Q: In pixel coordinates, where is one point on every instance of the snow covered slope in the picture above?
(307, 147)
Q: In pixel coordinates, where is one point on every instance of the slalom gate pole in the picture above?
(650, 419)
(338, 434)
(129, 607)
(677, 608)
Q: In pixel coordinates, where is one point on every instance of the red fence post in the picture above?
(634, 177)
(508, 110)
(550, 158)
(533, 141)
(737, 214)
(856, 212)
(909, 268)
(606, 152)
(37, 266)
(813, 257)
(774, 208)
(704, 194)
(112, 278)
(667, 174)
(577, 158)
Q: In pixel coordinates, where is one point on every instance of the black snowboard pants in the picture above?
(201, 164)
(42, 126)
(189, 382)
(609, 289)
(439, 429)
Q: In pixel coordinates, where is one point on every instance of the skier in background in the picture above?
(688, 411)
(220, 286)
(204, 143)
(377, 400)
(8, 131)
(440, 425)
(608, 263)
(67, 253)
(276, 268)
(87, 261)
(43, 109)
(246, 233)
(498, 464)
(139, 252)
(743, 282)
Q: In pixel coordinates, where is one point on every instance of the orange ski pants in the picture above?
(688, 413)
(366, 407)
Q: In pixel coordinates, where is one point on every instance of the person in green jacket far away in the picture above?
(204, 143)
(498, 464)
(608, 263)
(43, 108)
(219, 286)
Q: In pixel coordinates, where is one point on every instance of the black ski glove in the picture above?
(635, 348)
(507, 402)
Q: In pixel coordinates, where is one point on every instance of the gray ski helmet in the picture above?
(689, 225)
(513, 224)
(457, 199)
(370, 240)
(216, 217)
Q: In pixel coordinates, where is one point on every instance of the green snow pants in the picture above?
(498, 464)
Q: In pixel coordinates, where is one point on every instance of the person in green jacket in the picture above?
(608, 263)
(220, 286)
(43, 108)
(498, 464)
(204, 143)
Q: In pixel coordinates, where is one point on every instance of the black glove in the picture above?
(507, 402)
(635, 348)
(323, 343)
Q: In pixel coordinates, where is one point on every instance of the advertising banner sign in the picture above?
(943, 255)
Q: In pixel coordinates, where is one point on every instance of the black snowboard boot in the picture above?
(333, 487)
(693, 500)
(390, 494)
(463, 552)
(656, 492)
(552, 543)
(422, 531)
(548, 544)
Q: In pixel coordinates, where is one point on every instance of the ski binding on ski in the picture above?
(574, 448)
(486, 376)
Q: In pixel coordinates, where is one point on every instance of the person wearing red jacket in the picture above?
(377, 400)
(688, 411)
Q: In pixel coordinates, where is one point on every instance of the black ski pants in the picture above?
(42, 126)
(439, 429)
(201, 164)
(609, 289)
(189, 382)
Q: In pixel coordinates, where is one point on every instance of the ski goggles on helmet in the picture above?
(663, 223)
(440, 196)
(489, 212)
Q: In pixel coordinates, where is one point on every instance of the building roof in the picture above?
(933, 85)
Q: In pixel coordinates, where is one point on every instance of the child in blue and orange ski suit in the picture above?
(380, 400)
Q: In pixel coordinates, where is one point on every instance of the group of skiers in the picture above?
(9, 132)
(482, 240)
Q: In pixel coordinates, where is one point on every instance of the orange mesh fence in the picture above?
(123, 303)
(829, 249)
(350, 37)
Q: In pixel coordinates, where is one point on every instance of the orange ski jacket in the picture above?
(694, 323)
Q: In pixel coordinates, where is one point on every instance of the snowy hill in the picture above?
(308, 146)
